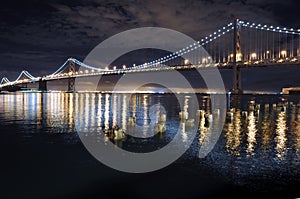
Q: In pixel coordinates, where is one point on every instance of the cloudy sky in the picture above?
(40, 35)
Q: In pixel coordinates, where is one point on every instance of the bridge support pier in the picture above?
(71, 80)
(237, 80)
(237, 58)
(42, 85)
(71, 84)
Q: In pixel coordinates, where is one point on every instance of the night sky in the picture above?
(39, 36)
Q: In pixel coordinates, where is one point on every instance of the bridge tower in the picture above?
(237, 58)
(71, 80)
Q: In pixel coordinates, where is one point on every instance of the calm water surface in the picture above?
(258, 147)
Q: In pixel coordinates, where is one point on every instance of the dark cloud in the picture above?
(40, 35)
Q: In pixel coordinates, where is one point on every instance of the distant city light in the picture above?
(253, 55)
(239, 56)
(283, 53)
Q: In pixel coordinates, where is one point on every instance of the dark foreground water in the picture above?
(42, 156)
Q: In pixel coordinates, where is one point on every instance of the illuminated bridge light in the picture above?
(253, 55)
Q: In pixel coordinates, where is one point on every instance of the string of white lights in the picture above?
(85, 65)
(270, 28)
(63, 66)
(4, 79)
(59, 69)
(24, 72)
(19, 76)
(29, 75)
(219, 33)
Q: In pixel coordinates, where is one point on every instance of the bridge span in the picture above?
(237, 45)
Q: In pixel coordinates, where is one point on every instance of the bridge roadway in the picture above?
(246, 64)
(88, 73)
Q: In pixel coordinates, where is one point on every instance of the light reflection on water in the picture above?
(233, 134)
(251, 134)
(280, 138)
(261, 132)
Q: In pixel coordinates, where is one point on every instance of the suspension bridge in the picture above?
(236, 45)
